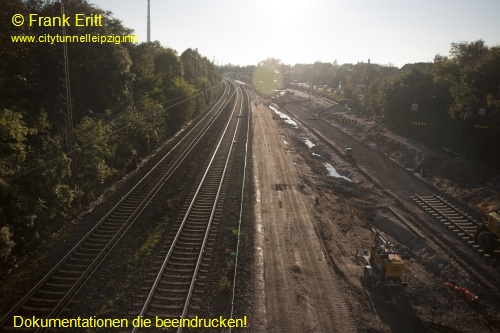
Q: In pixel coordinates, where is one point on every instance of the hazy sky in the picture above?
(245, 32)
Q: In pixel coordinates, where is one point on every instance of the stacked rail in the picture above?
(453, 218)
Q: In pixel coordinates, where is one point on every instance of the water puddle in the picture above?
(283, 116)
(333, 172)
(309, 143)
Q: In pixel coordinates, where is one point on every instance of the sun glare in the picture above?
(282, 11)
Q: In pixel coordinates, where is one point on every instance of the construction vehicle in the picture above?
(348, 152)
(488, 233)
(384, 265)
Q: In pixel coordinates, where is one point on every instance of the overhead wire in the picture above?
(101, 138)
(61, 147)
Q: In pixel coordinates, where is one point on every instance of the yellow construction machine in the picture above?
(384, 266)
(488, 233)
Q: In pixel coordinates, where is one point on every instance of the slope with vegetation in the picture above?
(125, 100)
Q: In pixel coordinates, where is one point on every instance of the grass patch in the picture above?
(137, 264)
(151, 242)
(224, 284)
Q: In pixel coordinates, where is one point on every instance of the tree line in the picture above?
(452, 102)
(66, 138)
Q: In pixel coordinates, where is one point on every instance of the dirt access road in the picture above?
(311, 225)
(296, 273)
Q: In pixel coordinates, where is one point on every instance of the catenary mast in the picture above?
(149, 22)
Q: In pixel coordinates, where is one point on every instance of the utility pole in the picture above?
(149, 22)
(367, 82)
(195, 65)
(66, 98)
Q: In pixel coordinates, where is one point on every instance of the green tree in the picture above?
(6, 243)
(95, 148)
(122, 98)
(13, 148)
(469, 84)
(181, 112)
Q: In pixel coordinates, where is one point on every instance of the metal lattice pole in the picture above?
(70, 135)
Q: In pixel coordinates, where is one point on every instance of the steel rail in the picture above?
(167, 258)
(203, 123)
(202, 250)
(128, 223)
(461, 225)
(241, 208)
(446, 212)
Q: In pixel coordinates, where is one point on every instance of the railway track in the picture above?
(51, 296)
(463, 226)
(184, 258)
(457, 263)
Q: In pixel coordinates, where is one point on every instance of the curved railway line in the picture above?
(52, 295)
(186, 252)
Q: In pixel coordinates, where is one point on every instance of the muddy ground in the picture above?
(311, 226)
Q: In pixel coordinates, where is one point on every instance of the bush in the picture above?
(6, 243)
(224, 284)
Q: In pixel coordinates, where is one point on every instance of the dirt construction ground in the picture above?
(311, 224)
